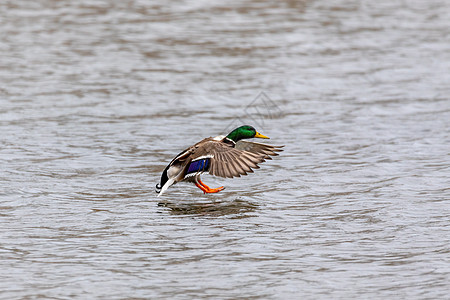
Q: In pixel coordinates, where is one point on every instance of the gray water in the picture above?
(96, 97)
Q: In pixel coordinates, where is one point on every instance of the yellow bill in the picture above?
(259, 135)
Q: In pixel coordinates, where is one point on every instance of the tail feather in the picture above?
(166, 186)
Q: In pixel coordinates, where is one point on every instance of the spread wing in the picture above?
(224, 160)
(230, 162)
(260, 149)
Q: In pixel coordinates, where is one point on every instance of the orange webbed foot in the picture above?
(207, 189)
(216, 190)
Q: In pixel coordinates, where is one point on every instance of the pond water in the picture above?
(96, 97)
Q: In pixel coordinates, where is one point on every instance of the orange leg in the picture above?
(207, 189)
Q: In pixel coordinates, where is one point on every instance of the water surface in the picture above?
(96, 97)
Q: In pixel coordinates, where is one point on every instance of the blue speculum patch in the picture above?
(198, 166)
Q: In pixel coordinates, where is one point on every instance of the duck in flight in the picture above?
(224, 156)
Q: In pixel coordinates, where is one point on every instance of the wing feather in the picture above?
(227, 160)
(233, 169)
(258, 148)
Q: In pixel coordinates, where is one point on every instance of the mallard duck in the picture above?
(223, 156)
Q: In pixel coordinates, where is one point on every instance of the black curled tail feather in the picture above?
(158, 188)
(163, 181)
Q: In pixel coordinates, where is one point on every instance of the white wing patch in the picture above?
(204, 156)
(219, 138)
(184, 153)
(194, 174)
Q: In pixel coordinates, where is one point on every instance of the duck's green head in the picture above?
(245, 132)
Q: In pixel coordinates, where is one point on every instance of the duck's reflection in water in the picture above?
(238, 208)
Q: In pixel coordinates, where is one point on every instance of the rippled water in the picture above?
(96, 97)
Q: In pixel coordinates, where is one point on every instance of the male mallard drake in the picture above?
(223, 156)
